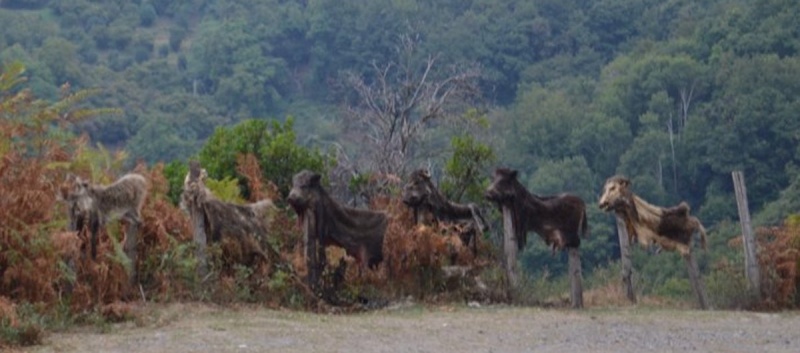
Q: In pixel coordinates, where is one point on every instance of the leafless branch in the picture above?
(401, 99)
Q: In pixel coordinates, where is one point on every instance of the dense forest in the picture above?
(674, 94)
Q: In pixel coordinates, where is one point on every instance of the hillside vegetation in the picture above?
(674, 94)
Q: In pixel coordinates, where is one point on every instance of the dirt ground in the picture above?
(414, 328)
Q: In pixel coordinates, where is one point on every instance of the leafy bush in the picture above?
(175, 172)
(163, 51)
(779, 260)
(176, 36)
(726, 286)
(20, 325)
(465, 171)
(147, 14)
(274, 145)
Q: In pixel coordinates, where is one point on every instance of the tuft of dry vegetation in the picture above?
(779, 259)
(779, 264)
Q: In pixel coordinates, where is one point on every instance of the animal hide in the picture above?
(560, 219)
(672, 228)
(425, 199)
(359, 232)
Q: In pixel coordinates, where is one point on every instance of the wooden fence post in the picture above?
(195, 207)
(200, 240)
(315, 254)
(131, 240)
(625, 259)
(749, 241)
(510, 250)
(575, 278)
(697, 283)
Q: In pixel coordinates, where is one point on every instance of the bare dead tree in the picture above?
(401, 99)
(674, 160)
(686, 101)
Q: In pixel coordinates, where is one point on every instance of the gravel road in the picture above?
(413, 328)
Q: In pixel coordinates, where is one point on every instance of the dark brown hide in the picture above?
(675, 225)
(672, 228)
(359, 232)
(423, 197)
(560, 220)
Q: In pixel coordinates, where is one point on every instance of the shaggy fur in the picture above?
(560, 220)
(93, 206)
(244, 225)
(125, 197)
(424, 198)
(241, 223)
(672, 228)
(359, 232)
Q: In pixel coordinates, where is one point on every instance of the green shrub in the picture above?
(274, 145)
(26, 330)
(674, 288)
(147, 14)
(727, 289)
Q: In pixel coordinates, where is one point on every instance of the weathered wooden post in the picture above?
(748, 238)
(194, 196)
(315, 253)
(696, 281)
(131, 240)
(510, 250)
(575, 278)
(625, 259)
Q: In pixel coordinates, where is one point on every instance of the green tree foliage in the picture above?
(274, 145)
(175, 172)
(610, 24)
(571, 174)
(787, 203)
(29, 30)
(466, 171)
(25, 4)
(759, 27)
(361, 31)
(159, 141)
(630, 83)
(147, 14)
(540, 126)
(601, 140)
(230, 62)
(226, 189)
(61, 58)
(752, 126)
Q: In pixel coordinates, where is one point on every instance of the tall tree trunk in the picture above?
(674, 160)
